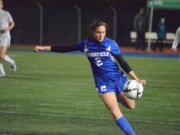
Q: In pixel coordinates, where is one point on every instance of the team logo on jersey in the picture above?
(97, 54)
(103, 88)
(108, 49)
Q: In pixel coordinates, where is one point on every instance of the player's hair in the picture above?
(96, 24)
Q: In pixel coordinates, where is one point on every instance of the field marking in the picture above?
(172, 122)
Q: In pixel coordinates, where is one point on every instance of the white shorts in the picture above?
(5, 42)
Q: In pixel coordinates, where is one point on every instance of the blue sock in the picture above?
(125, 126)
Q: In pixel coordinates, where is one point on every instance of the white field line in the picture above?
(148, 120)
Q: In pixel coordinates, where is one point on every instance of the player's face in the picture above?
(99, 33)
(1, 4)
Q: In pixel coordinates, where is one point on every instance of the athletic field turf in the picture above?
(54, 94)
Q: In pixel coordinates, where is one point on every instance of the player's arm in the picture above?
(11, 26)
(122, 62)
(55, 48)
(42, 48)
(125, 66)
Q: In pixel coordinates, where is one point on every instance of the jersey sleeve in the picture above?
(80, 46)
(76, 47)
(10, 19)
(115, 50)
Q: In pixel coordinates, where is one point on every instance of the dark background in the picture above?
(60, 19)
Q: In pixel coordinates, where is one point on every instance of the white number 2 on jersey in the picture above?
(98, 62)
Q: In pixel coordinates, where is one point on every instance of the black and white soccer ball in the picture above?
(134, 89)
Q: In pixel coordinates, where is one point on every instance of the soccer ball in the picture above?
(133, 89)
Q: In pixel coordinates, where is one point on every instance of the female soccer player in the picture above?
(110, 81)
(6, 24)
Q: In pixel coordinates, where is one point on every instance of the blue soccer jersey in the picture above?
(103, 64)
(101, 57)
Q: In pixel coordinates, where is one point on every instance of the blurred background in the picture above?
(54, 94)
(67, 21)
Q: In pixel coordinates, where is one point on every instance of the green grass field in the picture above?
(54, 94)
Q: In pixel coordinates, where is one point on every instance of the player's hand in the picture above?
(143, 82)
(42, 48)
(38, 48)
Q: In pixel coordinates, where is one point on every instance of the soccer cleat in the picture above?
(14, 67)
(2, 75)
(2, 72)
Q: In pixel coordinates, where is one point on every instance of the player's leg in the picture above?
(122, 98)
(138, 41)
(110, 101)
(129, 103)
(11, 62)
(2, 72)
(5, 57)
(143, 42)
(161, 44)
